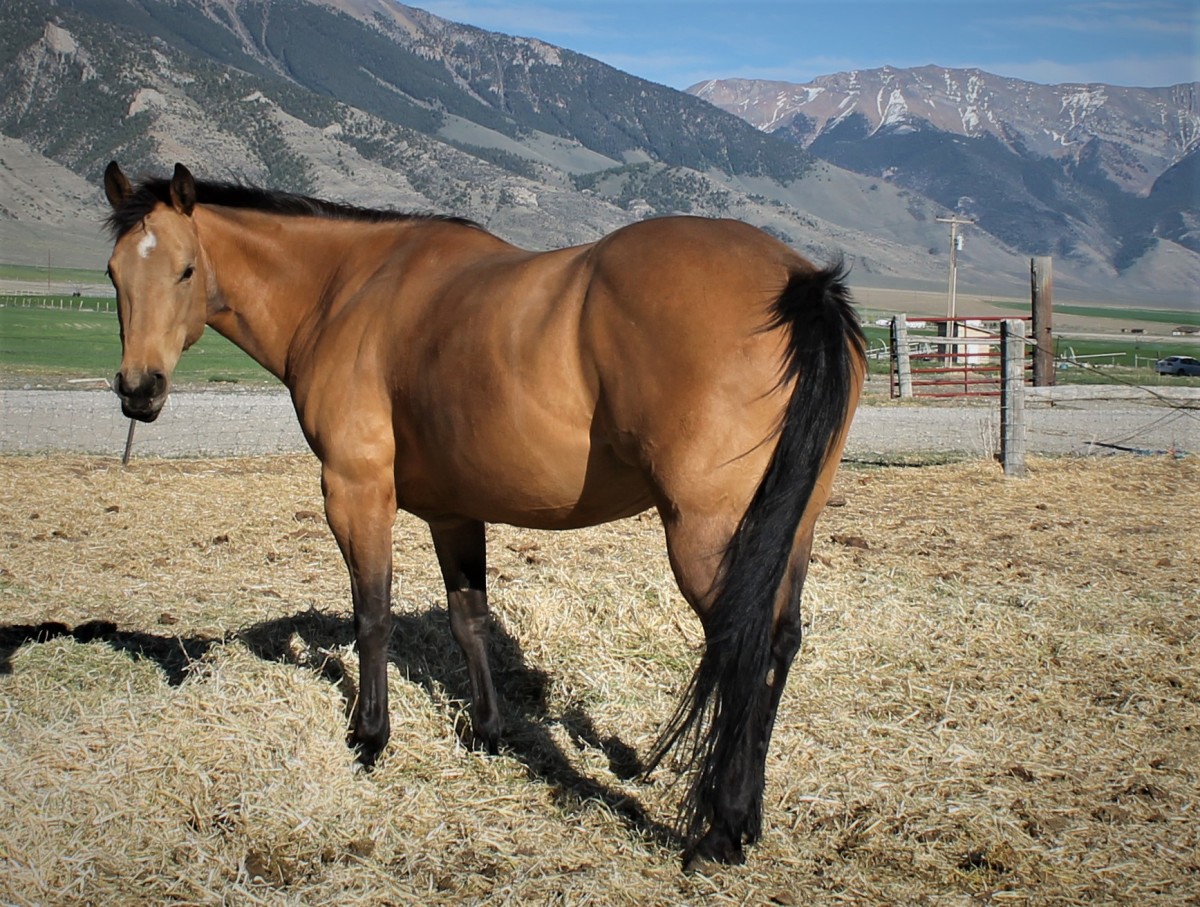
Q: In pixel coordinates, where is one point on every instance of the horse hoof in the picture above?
(485, 734)
(368, 750)
(489, 745)
(713, 850)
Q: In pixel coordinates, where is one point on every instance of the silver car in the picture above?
(1178, 365)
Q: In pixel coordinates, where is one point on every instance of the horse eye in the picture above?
(187, 273)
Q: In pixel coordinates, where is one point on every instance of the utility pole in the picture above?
(955, 244)
(952, 303)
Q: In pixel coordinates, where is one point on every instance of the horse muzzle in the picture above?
(142, 393)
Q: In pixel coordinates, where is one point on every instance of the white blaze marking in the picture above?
(147, 244)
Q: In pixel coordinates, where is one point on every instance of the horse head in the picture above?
(161, 277)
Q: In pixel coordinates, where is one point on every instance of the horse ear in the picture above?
(183, 190)
(116, 186)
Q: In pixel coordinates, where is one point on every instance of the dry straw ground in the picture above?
(997, 700)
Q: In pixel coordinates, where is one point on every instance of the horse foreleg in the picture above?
(360, 505)
(462, 556)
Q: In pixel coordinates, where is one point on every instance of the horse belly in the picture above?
(536, 484)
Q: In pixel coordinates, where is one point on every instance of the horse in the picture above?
(697, 366)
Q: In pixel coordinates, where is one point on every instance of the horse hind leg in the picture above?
(462, 555)
(727, 718)
(736, 809)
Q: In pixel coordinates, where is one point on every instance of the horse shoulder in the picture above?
(339, 387)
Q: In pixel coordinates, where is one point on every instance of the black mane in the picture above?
(150, 192)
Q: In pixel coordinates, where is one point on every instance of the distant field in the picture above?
(58, 345)
(55, 275)
(1071, 315)
(1125, 359)
(1158, 316)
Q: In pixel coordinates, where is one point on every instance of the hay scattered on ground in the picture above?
(997, 699)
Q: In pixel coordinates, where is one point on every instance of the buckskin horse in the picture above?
(697, 366)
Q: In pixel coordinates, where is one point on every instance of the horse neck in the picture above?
(272, 274)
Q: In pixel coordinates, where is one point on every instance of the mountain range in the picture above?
(375, 103)
(1068, 170)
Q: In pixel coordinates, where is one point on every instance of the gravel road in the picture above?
(238, 423)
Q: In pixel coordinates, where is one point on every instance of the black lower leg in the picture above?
(736, 806)
(462, 555)
(469, 623)
(372, 631)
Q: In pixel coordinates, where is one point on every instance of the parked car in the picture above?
(1178, 365)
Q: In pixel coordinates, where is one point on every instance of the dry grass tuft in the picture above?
(997, 699)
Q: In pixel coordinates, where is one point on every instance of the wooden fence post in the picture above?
(1041, 285)
(1012, 397)
(900, 359)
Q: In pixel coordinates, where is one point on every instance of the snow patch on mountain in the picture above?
(895, 111)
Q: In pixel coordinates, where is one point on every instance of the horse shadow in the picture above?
(174, 655)
(423, 650)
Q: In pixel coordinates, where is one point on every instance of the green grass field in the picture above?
(56, 345)
(59, 345)
(1120, 360)
(55, 275)
(1157, 316)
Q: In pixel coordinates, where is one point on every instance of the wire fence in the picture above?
(66, 302)
(1065, 420)
(1123, 415)
(1112, 418)
(191, 424)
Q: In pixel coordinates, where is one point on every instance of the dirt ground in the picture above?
(997, 700)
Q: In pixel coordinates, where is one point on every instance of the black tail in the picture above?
(729, 696)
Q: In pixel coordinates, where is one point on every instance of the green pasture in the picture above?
(1155, 316)
(80, 340)
(57, 345)
(54, 275)
(1125, 359)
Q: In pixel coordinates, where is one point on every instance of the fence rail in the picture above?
(63, 302)
(963, 360)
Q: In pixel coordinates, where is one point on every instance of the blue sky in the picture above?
(680, 42)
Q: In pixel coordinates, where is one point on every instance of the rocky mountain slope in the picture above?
(1129, 135)
(379, 104)
(1069, 170)
(383, 105)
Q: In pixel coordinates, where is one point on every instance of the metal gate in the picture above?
(962, 359)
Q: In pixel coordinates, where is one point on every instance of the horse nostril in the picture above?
(144, 385)
(126, 387)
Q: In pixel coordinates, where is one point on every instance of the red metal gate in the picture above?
(962, 359)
